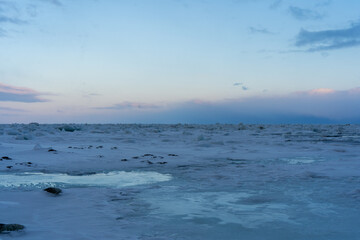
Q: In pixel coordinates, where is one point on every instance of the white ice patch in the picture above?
(115, 179)
(299, 160)
(224, 206)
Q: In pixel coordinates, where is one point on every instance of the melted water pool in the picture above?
(115, 179)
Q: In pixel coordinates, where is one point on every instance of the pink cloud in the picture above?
(328, 91)
(16, 90)
(322, 91)
(317, 91)
(19, 94)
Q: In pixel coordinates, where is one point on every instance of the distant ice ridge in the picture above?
(115, 179)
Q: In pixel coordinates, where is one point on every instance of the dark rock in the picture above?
(78, 147)
(10, 227)
(69, 128)
(51, 150)
(9, 167)
(172, 155)
(150, 162)
(314, 175)
(183, 166)
(81, 173)
(332, 136)
(53, 190)
(162, 162)
(87, 173)
(124, 160)
(136, 157)
(99, 147)
(6, 158)
(148, 155)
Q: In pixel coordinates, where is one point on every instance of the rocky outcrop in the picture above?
(53, 190)
(10, 227)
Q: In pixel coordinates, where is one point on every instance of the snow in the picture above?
(181, 181)
(115, 179)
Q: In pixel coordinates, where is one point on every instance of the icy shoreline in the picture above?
(228, 181)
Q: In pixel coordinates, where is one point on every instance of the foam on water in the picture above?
(116, 179)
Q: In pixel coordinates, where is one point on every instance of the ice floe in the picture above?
(115, 179)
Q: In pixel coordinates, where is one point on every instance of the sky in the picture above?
(179, 61)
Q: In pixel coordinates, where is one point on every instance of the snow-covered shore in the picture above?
(181, 181)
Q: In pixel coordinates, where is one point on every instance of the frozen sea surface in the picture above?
(181, 181)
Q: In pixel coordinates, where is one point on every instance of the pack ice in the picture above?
(180, 181)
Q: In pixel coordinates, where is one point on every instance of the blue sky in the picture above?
(198, 61)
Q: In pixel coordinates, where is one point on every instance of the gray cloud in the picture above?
(28, 98)
(19, 94)
(329, 39)
(94, 94)
(299, 107)
(7, 5)
(8, 15)
(255, 30)
(324, 3)
(276, 4)
(131, 106)
(237, 84)
(317, 106)
(7, 109)
(5, 19)
(304, 14)
(19, 13)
